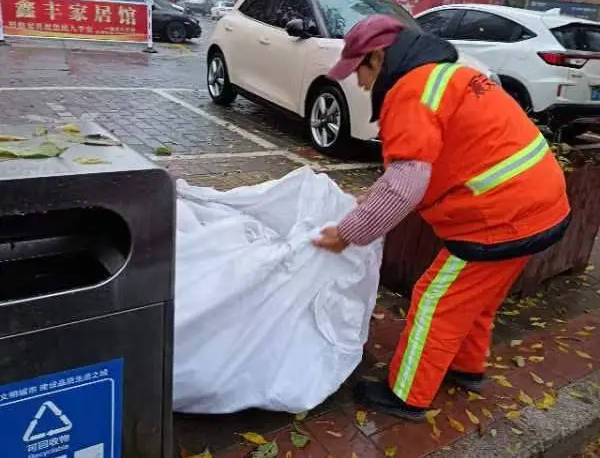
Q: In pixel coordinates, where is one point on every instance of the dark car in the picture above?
(170, 23)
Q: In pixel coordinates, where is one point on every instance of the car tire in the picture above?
(328, 121)
(220, 89)
(175, 32)
(519, 93)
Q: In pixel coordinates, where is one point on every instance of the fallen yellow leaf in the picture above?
(510, 312)
(519, 361)
(513, 414)
(589, 328)
(474, 396)
(380, 365)
(354, 455)
(534, 318)
(378, 316)
(582, 354)
(537, 346)
(518, 432)
(539, 324)
(498, 358)
(431, 414)
(11, 138)
(493, 432)
(547, 402)
(288, 454)
(301, 416)
(536, 359)
(563, 349)
(507, 406)
(473, 418)
(501, 366)
(590, 366)
(334, 434)
(452, 391)
(595, 385)
(515, 343)
(559, 320)
(70, 128)
(370, 378)
(435, 433)
(536, 378)
(577, 394)
(502, 381)
(390, 452)
(254, 438)
(583, 333)
(525, 398)
(457, 425)
(361, 417)
(487, 413)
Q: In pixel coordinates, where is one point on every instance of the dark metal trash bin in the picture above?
(86, 306)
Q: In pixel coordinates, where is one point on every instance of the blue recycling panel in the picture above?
(71, 414)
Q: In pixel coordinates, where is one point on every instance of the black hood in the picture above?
(411, 49)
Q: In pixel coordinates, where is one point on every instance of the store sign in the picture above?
(97, 20)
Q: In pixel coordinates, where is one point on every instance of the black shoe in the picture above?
(381, 397)
(468, 381)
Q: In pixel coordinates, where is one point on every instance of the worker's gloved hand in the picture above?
(331, 240)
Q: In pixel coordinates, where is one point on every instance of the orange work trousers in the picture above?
(449, 324)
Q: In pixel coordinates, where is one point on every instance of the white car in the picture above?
(279, 52)
(221, 9)
(548, 62)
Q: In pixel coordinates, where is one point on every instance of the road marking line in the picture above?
(99, 88)
(293, 157)
(201, 156)
(216, 120)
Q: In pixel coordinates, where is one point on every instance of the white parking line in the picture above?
(271, 149)
(216, 120)
(98, 88)
(282, 153)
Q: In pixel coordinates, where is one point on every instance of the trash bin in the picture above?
(86, 306)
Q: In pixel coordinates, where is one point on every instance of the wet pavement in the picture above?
(152, 100)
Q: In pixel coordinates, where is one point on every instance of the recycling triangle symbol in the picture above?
(29, 435)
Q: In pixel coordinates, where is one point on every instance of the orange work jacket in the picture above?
(494, 179)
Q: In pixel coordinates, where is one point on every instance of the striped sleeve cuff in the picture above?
(393, 196)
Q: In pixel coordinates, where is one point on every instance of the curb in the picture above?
(555, 433)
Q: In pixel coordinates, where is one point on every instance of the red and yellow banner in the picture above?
(113, 21)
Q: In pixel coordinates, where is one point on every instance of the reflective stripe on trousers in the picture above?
(510, 167)
(418, 335)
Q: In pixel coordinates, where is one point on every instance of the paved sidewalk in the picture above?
(556, 334)
(559, 329)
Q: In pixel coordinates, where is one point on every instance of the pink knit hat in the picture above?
(374, 32)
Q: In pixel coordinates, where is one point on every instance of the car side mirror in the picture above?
(295, 28)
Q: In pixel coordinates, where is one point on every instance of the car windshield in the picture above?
(341, 15)
(579, 37)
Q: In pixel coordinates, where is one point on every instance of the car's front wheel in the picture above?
(328, 121)
(175, 32)
(220, 89)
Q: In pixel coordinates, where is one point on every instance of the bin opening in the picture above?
(60, 250)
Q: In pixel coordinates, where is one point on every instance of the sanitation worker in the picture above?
(461, 152)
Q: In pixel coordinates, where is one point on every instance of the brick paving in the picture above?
(333, 427)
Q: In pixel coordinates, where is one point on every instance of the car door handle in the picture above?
(229, 28)
(264, 41)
